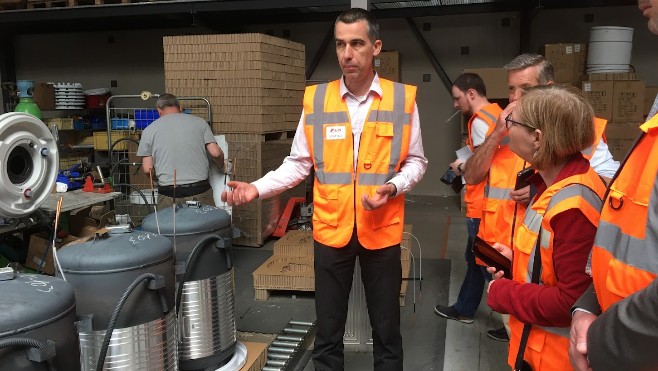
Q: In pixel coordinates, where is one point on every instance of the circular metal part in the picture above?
(28, 161)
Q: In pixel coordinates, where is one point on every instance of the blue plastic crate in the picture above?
(144, 117)
(120, 124)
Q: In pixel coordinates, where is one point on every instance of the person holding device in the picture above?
(553, 241)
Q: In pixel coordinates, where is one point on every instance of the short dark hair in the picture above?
(357, 14)
(468, 80)
(167, 100)
(523, 61)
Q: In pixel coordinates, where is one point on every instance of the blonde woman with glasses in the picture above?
(548, 128)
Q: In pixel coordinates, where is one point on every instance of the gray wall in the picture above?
(134, 59)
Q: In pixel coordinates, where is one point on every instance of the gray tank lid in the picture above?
(33, 300)
(190, 219)
(117, 252)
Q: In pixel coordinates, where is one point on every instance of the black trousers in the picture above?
(381, 273)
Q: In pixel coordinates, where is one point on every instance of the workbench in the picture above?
(75, 200)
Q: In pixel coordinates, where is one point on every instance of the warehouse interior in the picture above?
(118, 45)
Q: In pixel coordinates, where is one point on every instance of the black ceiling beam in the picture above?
(232, 14)
(430, 55)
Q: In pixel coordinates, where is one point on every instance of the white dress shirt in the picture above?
(602, 161)
(296, 167)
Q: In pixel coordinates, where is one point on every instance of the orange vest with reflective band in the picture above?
(474, 193)
(339, 185)
(625, 254)
(599, 131)
(547, 346)
(498, 208)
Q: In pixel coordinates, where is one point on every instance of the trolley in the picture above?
(127, 116)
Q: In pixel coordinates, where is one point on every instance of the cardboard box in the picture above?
(387, 65)
(100, 141)
(44, 95)
(610, 76)
(600, 95)
(39, 244)
(295, 243)
(628, 101)
(495, 80)
(85, 222)
(620, 138)
(568, 60)
(650, 93)
(256, 356)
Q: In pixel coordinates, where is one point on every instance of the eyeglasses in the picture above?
(509, 122)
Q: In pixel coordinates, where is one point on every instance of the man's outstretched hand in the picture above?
(239, 193)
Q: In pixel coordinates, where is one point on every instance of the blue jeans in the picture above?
(470, 293)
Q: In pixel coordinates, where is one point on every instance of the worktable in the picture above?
(76, 200)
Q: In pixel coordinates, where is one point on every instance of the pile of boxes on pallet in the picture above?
(616, 97)
(291, 265)
(255, 84)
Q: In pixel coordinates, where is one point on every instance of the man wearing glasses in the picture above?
(494, 162)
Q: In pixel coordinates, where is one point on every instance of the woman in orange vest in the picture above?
(548, 128)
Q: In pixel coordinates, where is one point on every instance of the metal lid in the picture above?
(31, 301)
(118, 252)
(191, 218)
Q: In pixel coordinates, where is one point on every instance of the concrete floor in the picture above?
(431, 342)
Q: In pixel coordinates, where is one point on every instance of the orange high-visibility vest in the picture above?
(339, 185)
(498, 208)
(547, 346)
(599, 131)
(625, 253)
(475, 192)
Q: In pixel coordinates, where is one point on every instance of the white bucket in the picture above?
(609, 49)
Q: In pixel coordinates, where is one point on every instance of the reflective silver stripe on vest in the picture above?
(373, 179)
(559, 331)
(633, 251)
(489, 115)
(398, 117)
(574, 190)
(318, 119)
(333, 178)
(496, 193)
(533, 220)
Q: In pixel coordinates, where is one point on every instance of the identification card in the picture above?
(336, 132)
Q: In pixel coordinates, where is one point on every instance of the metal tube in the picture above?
(300, 323)
(272, 362)
(289, 338)
(269, 368)
(284, 357)
(295, 331)
(280, 350)
(284, 344)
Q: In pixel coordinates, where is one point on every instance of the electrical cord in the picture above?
(26, 343)
(191, 260)
(115, 316)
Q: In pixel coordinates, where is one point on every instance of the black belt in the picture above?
(185, 190)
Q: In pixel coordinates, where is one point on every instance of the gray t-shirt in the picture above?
(177, 141)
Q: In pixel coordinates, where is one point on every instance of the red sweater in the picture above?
(572, 242)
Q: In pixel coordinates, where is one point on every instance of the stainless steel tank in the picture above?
(135, 268)
(37, 323)
(206, 304)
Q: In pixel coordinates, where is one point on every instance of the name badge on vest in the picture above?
(336, 132)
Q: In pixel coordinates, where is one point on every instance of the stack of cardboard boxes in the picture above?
(387, 65)
(616, 97)
(255, 84)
